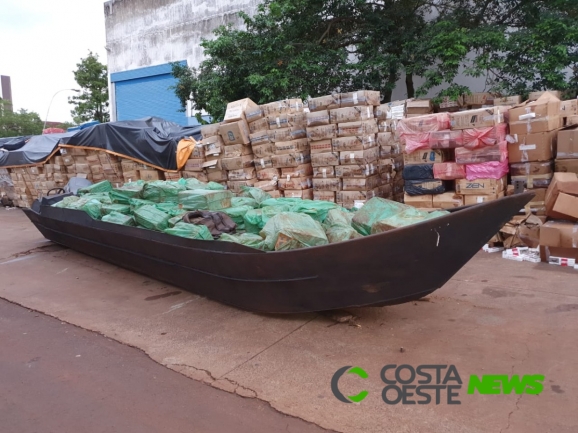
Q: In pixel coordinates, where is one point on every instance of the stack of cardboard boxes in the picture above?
(567, 153)
(7, 189)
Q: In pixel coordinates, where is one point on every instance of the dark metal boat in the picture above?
(384, 269)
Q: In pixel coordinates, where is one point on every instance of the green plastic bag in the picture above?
(161, 191)
(375, 209)
(104, 186)
(253, 220)
(94, 208)
(127, 191)
(244, 201)
(136, 203)
(338, 217)
(248, 239)
(102, 197)
(205, 199)
(237, 214)
(151, 218)
(337, 226)
(66, 201)
(405, 218)
(176, 219)
(191, 231)
(283, 201)
(173, 209)
(290, 230)
(316, 209)
(255, 193)
(119, 218)
(115, 207)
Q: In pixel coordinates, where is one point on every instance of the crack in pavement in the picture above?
(510, 414)
(49, 248)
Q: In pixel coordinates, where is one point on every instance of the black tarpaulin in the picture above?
(13, 143)
(151, 140)
(36, 150)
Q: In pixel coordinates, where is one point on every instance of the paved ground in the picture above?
(494, 317)
(60, 378)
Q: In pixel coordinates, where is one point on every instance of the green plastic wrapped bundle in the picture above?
(338, 226)
(173, 209)
(205, 199)
(66, 201)
(176, 219)
(316, 209)
(161, 191)
(191, 231)
(280, 201)
(119, 218)
(338, 217)
(127, 191)
(237, 214)
(115, 207)
(93, 207)
(375, 209)
(253, 220)
(151, 218)
(136, 203)
(248, 239)
(290, 230)
(104, 186)
(405, 218)
(193, 183)
(244, 201)
(255, 193)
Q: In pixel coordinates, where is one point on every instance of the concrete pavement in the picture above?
(493, 317)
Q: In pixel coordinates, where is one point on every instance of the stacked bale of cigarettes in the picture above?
(390, 163)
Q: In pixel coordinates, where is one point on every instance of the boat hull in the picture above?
(383, 269)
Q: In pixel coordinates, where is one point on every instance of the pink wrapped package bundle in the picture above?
(446, 139)
(482, 137)
(449, 171)
(426, 123)
(497, 153)
(487, 170)
(415, 142)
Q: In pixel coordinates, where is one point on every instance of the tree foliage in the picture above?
(297, 48)
(17, 123)
(92, 102)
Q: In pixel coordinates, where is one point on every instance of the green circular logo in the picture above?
(358, 371)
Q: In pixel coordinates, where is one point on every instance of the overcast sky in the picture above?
(41, 41)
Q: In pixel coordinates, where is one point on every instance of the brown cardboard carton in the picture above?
(567, 165)
(199, 175)
(264, 150)
(236, 110)
(317, 118)
(356, 170)
(68, 160)
(351, 114)
(360, 97)
(193, 164)
(76, 151)
(263, 162)
(324, 102)
(237, 163)
(532, 147)
(327, 184)
(324, 196)
(293, 146)
(286, 120)
(258, 125)
(324, 132)
(235, 132)
(93, 158)
(213, 161)
(481, 186)
(547, 105)
(363, 157)
(268, 174)
(281, 134)
(210, 130)
(236, 150)
(254, 114)
(477, 199)
(360, 184)
(80, 159)
(260, 137)
(447, 200)
(530, 168)
(571, 120)
(483, 154)
(567, 144)
(562, 183)
(362, 127)
(566, 205)
(419, 201)
(324, 159)
(285, 106)
(480, 118)
(359, 142)
(559, 239)
(82, 168)
(508, 100)
(348, 198)
(569, 108)
(150, 174)
(478, 98)
(235, 185)
(382, 112)
(288, 182)
(242, 174)
(216, 174)
(385, 139)
(323, 172)
(321, 146)
(532, 126)
(425, 157)
(299, 171)
(212, 146)
(291, 159)
(305, 194)
(266, 185)
(535, 95)
(419, 107)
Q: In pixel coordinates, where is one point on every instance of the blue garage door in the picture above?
(145, 92)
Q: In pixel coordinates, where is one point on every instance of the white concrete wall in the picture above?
(143, 33)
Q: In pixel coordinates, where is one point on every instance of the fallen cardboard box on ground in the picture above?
(523, 230)
(559, 239)
(562, 196)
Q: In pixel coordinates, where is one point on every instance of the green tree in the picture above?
(92, 102)
(22, 122)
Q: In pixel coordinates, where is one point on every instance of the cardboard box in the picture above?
(216, 174)
(199, 175)
(68, 160)
(235, 132)
(496, 153)
(477, 199)
(566, 205)
(237, 163)
(258, 125)
(236, 150)
(193, 164)
(535, 95)
(571, 120)
(351, 114)
(382, 112)
(424, 157)
(449, 171)
(321, 146)
(360, 183)
(327, 184)
(236, 110)
(209, 146)
(264, 150)
(567, 144)
(324, 102)
(293, 146)
(305, 194)
(210, 130)
(242, 174)
(481, 186)
(357, 157)
(480, 118)
(268, 174)
(533, 126)
(567, 165)
(293, 183)
(362, 127)
(360, 97)
(546, 106)
(325, 159)
(317, 118)
(448, 200)
(291, 159)
(279, 121)
(324, 196)
(446, 139)
(356, 170)
(260, 137)
(559, 239)
(348, 199)
(263, 162)
(419, 201)
(150, 174)
(569, 108)
(254, 114)
(532, 147)
(299, 171)
(266, 185)
(478, 98)
(508, 100)
(533, 181)
(531, 168)
(325, 132)
(235, 185)
(359, 142)
(213, 161)
(324, 172)
(284, 106)
(281, 134)
(419, 107)
(562, 183)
